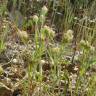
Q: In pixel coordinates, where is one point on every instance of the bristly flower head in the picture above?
(44, 10)
(86, 45)
(56, 49)
(47, 32)
(35, 18)
(68, 36)
(42, 18)
(92, 48)
(23, 35)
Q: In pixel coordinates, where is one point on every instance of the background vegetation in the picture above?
(49, 46)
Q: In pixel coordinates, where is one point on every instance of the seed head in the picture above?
(35, 18)
(82, 42)
(68, 35)
(92, 48)
(85, 44)
(42, 18)
(23, 35)
(44, 10)
(56, 49)
(47, 32)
